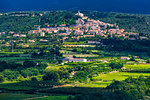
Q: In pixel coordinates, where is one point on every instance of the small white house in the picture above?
(125, 58)
(70, 59)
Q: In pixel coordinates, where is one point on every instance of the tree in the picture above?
(135, 94)
(132, 58)
(10, 75)
(116, 65)
(74, 50)
(27, 64)
(1, 78)
(29, 72)
(80, 76)
(148, 61)
(51, 75)
(43, 65)
(63, 74)
(3, 65)
(34, 79)
(74, 56)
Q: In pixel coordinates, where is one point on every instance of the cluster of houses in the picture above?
(85, 27)
(71, 59)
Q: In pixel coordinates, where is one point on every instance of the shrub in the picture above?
(148, 61)
(10, 75)
(51, 76)
(27, 64)
(81, 76)
(116, 65)
(29, 72)
(1, 78)
(34, 79)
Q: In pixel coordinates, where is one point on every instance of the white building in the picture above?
(125, 58)
(70, 59)
(80, 14)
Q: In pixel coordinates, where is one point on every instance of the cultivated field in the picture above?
(11, 96)
(50, 98)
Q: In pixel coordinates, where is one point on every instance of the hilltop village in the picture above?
(83, 28)
(86, 27)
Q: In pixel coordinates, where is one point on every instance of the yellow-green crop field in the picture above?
(105, 79)
(139, 66)
(73, 43)
(80, 55)
(119, 76)
(95, 84)
(54, 67)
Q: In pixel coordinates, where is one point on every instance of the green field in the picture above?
(3, 53)
(119, 76)
(80, 55)
(67, 52)
(103, 80)
(14, 58)
(137, 67)
(95, 84)
(108, 78)
(73, 43)
(50, 98)
(11, 96)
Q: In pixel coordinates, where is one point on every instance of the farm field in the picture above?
(103, 80)
(11, 96)
(137, 67)
(80, 55)
(108, 78)
(53, 67)
(50, 98)
(77, 43)
(95, 84)
(67, 52)
(119, 76)
(3, 53)
(14, 58)
(105, 58)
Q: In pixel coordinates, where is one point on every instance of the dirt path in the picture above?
(64, 86)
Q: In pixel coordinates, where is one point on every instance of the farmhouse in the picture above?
(43, 40)
(89, 36)
(26, 46)
(125, 58)
(78, 46)
(31, 41)
(93, 42)
(70, 59)
(23, 35)
(16, 35)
